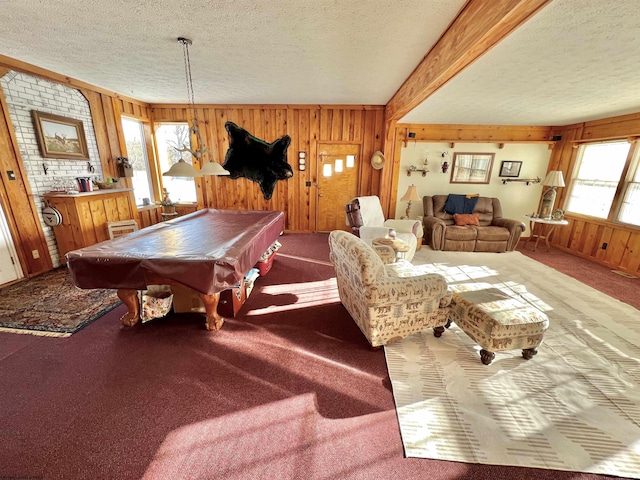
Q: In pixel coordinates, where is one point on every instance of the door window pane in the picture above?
(137, 155)
(170, 137)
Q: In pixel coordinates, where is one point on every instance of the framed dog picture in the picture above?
(510, 168)
(60, 137)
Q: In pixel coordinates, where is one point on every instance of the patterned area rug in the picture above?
(575, 406)
(50, 304)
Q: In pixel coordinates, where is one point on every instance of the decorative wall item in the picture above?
(259, 161)
(377, 160)
(60, 137)
(510, 168)
(125, 169)
(471, 167)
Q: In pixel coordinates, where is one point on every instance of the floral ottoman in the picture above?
(496, 320)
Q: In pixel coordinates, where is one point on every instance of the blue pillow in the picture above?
(460, 204)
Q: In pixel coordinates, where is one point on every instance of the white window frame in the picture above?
(628, 211)
(628, 178)
(179, 188)
(144, 182)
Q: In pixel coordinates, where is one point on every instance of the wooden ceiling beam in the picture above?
(478, 27)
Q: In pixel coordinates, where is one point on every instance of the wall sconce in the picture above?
(444, 165)
(302, 161)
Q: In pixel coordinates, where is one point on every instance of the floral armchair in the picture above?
(387, 301)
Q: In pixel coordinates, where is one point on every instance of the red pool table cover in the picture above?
(208, 250)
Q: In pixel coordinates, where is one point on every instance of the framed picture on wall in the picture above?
(60, 137)
(471, 167)
(510, 168)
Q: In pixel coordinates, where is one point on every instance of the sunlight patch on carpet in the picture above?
(575, 406)
(294, 296)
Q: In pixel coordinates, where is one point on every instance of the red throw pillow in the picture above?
(461, 219)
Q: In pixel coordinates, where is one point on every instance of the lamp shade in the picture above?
(554, 179)
(182, 169)
(213, 168)
(411, 195)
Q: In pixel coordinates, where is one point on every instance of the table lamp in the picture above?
(411, 195)
(553, 179)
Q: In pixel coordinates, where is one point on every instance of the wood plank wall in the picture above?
(16, 197)
(584, 236)
(17, 200)
(307, 125)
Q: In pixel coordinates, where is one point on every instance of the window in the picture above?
(137, 155)
(170, 137)
(630, 208)
(602, 170)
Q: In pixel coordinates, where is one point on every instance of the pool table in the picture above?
(207, 251)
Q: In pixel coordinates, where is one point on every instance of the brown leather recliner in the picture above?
(494, 234)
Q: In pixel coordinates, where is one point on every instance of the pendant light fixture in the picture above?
(182, 168)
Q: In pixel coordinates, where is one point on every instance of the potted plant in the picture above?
(168, 205)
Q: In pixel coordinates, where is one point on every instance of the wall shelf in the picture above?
(423, 170)
(528, 181)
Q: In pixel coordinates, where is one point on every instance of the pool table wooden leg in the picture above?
(130, 299)
(214, 321)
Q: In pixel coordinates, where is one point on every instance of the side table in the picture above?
(545, 230)
(399, 247)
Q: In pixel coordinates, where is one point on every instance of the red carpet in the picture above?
(288, 390)
(593, 274)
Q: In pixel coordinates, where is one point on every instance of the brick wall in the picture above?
(25, 93)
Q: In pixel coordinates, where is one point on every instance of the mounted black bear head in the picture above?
(259, 161)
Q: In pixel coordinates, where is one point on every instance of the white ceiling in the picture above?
(575, 60)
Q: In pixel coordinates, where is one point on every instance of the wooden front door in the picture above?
(338, 167)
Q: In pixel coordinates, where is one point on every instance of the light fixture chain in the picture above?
(187, 70)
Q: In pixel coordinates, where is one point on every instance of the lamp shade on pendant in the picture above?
(213, 168)
(411, 195)
(182, 169)
(554, 179)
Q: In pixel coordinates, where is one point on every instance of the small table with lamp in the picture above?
(547, 227)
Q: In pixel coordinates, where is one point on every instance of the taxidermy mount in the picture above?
(259, 161)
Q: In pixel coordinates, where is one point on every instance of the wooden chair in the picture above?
(121, 227)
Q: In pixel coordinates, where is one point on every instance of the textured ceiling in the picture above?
(575, 60)
(244, 51)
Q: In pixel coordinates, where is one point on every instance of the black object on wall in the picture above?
(259, 161)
